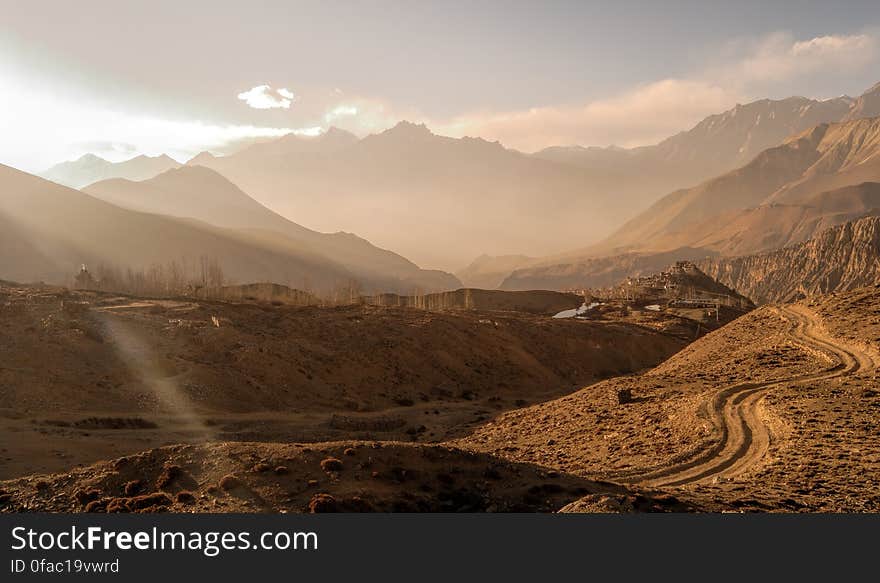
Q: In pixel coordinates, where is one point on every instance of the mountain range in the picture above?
(49, 230)
(768, 174)
(200, 193)
(821, 177)
(494, 199)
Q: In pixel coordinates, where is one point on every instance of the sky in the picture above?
(125, 78)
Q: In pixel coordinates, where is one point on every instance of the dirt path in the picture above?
(735, 410)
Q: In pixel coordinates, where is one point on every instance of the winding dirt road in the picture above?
(735, 410)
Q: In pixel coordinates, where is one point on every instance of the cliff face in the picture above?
(842, 258)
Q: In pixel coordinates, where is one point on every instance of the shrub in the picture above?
(323, 503)
(148, 501)
(96, 506)
(331, 464)
(86, 496)
(134, 487)
(168, 476)
(185, 497)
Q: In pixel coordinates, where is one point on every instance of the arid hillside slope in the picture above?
(822, 159)
(771, 412)
(819, 179)
(325, 477)
(128, 374)
(50, 230)
(199, 193)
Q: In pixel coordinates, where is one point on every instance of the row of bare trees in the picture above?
(169, 279)
(204, 278)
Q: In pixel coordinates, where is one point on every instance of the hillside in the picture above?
(203, 194)
(823, 159)
(783, 395)
(787, 194)
(352, 476)
(132, 373)
(90, 168)
(52, 230)
(839, 259)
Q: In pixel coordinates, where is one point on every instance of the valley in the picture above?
(399, 320)
(548, 415)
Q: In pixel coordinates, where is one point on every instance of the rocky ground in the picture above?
(89, 376)
(803, 389)
(774, 411)
(325, 477)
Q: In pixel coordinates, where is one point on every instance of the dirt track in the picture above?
(736, 410)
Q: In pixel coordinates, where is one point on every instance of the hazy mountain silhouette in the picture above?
(49, 230)
(201, 193)
(434, 198)
(487, 272)
(820, 178)
(90, 168)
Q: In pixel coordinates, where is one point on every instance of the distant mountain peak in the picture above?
(90, 168)
(201, 157)
(335, 132)
(408, 128)
(90, 158)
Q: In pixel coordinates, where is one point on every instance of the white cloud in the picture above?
(642, 115)
(263, 97)
(779, 57)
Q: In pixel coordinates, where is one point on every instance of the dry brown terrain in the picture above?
(325, 477)
(772, 412)
(87, 376)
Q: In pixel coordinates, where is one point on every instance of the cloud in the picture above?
(644, 114)
(263, 97)
(648, 113)
(779, 58)
(339, 112)
(107, 146)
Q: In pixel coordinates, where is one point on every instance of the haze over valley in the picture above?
(431, 263)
